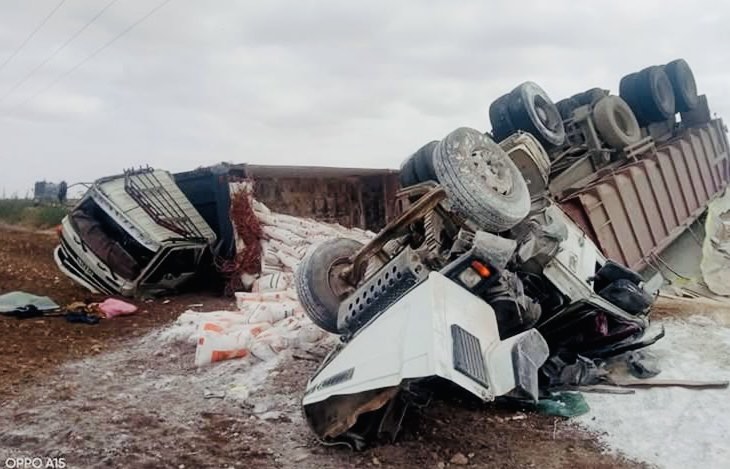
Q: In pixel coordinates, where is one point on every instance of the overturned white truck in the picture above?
(484, 275)
(473, 284)
(134, 234)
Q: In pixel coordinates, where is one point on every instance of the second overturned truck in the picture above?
(132, 234)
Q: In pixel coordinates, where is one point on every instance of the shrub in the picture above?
(24, 212)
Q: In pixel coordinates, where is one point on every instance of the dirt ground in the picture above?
(34, 346)
(117, 395)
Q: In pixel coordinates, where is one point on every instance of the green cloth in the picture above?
(563, 404)
(18, 299)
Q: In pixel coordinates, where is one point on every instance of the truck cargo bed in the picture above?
(639, 209)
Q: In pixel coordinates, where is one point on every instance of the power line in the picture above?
(32, 33)
(68, 41)
(95, 53)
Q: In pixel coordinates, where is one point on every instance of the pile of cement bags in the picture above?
(269, 318)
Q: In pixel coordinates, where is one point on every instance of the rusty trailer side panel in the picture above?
(639, 209)
(352, 197)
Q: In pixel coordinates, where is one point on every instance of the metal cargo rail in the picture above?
(639, 209)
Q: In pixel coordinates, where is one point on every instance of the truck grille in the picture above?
(468, 358)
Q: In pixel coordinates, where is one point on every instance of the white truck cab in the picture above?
(132, 234)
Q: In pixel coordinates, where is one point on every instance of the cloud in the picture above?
(314, 82)
(58, 106)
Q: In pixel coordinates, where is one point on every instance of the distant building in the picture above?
(44, 191)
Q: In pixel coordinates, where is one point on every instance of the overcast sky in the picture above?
(311, 82)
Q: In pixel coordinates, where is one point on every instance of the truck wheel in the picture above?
(627, 92)
(661, 105)
(531, 109)
(683, 83)
(590, 97)
(407, 176)
(649, 93)
(319, 285)
(481, 181)
(566, 107)
(502, 126)
(615, 122)
(423, 162)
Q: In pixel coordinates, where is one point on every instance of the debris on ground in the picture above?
(78, 312)
(459, 459)
(664, 383)
(672, 427)
(715, 263)
(15, 300)
(563, 404)
(583, 371)
(112, 307)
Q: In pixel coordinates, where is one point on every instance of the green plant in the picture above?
(24, 212)
(11, 210)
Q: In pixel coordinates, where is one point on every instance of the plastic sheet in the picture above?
(17, 299)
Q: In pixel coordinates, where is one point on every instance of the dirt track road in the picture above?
(121, 394)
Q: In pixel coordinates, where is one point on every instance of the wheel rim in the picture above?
(336, 278)
(492, 170)
(547, 114)
(621, 121)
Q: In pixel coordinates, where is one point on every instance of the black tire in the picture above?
(502, 126)
(531, 110)
(627, 92)
(628, 296)
(626, 87)
(314, 282)
(683, 84)
(481, 181)
(423, 162)
(611, 271)
(650, 95)
(577, 98)
(661, 105)
(616, 123)
(566, 107)
(590, 97)
(407, 176)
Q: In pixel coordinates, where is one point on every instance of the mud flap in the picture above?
(528, 355)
